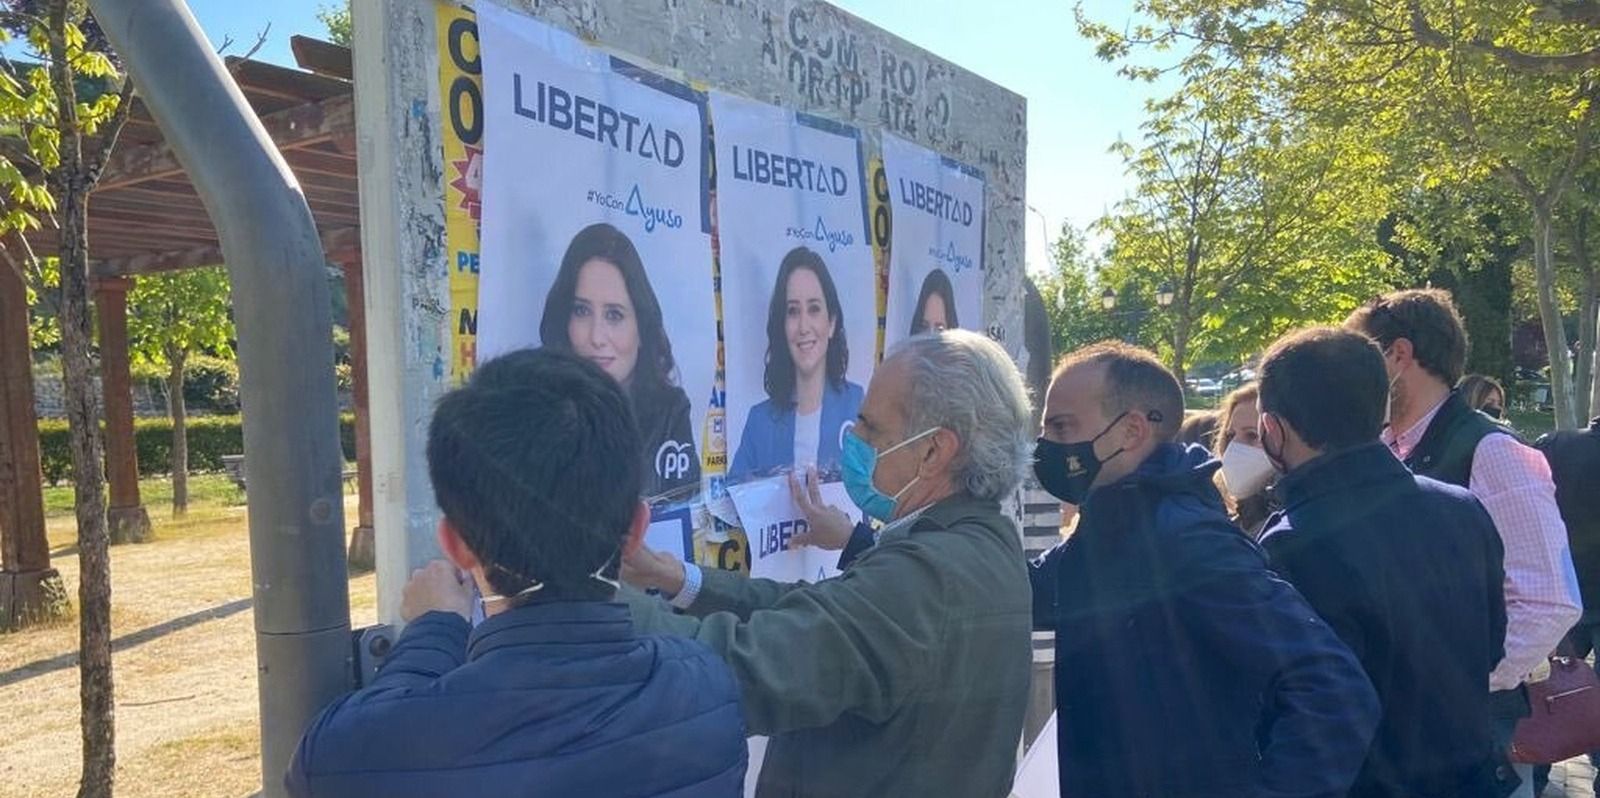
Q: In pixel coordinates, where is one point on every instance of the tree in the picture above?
(1443, 91)
(336, 19)
(1071, 295)
(59, 144)
(172, 316)
(1238, 212)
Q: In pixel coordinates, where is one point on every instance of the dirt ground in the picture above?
(184, 666)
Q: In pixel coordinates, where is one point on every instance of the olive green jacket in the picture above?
(906, 676)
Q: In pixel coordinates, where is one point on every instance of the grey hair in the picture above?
(964, 382)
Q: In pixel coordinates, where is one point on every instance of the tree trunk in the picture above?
(94, 558)
(1182, 324)
(180, 431)
(71, 183)
(1555, 337)
(1588, 318)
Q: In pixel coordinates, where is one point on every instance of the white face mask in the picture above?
(1246, 470)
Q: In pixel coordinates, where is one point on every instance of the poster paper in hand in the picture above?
(798, 290)
(936, 250)
(596, 227)
(771, 519)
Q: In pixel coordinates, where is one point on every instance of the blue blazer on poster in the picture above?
(767, 443)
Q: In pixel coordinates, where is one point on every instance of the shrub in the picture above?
(211, 384)
(210, 437)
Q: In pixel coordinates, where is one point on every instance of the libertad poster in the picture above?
(797, 284)
(596, 228)
(936, 255)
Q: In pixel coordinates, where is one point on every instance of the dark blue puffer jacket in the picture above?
(553, 699)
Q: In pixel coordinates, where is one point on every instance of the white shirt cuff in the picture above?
(691, 587)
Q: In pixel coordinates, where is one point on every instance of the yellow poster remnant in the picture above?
(461, 91)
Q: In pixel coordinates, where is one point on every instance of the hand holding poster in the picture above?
(797, 284)
(771, 520)
(936, 256)
(596, 230)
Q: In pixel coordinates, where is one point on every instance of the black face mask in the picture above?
(1493, 412)
(1068, 470)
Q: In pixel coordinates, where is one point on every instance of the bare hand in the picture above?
(437, 586)
(648, 569)
(828, 526)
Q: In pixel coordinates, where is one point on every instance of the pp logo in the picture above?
(672, 460)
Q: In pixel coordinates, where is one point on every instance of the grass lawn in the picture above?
(184, 664)
(204, 489)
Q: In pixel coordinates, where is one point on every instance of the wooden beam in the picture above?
(289, 128)
(323, 58)
(337, 241)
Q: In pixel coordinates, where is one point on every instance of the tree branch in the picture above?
(1510, 56)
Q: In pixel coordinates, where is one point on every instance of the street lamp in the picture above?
(1108, 300)
(1165, 295)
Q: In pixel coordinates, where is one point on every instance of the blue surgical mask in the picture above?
(858, 461)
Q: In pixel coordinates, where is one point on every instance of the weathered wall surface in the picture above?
(801, 54)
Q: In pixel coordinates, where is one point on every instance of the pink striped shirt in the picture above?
(1513, 482)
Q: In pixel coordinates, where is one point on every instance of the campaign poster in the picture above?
(797, 285)
(597, 230)
(936, 247)
(461, 88)
(771, 521)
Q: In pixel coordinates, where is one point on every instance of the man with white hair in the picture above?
(908, 674)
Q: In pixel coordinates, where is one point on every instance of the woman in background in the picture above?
(936, 305)
(1246, 470)
(602, 308)
(809, 401)
(1484, 394)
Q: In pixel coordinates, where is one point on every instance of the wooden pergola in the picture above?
(145, 218)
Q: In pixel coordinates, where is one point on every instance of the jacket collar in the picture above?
(1172, 468)
(945, 513)
(552, 622)
(1339, 471)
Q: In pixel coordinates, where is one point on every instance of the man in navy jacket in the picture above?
(535, 464)
(1184, 667)
(1408, 571)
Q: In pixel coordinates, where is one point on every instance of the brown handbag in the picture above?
(1566, 715)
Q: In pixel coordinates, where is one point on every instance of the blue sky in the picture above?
(1077, 105)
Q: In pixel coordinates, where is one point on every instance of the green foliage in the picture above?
(173, 315)
(336, 19)
(210, 437)
(211, 384)
(1421, 97)
(1071, 295)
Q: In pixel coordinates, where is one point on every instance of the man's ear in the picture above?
(1403, 350)
(635, 539)
(943, 451)
(1134, 430)
(454, 548)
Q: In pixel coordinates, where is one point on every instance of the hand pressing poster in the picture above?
(936, 254)
(596, 228)
(771, 520)
(798, 292)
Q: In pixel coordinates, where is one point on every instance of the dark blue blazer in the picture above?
(553, 699)
(1184, 667)
(767, 444)
(1408, 571)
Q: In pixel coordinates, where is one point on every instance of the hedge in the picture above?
(210, 437)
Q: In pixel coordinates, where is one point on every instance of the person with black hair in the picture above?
(936, 305)
(1184, 667)
(809, 402)
(1423, 609)
(1436, 434)
(602, 308)
(535, 465)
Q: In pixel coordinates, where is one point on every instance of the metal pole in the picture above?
(280, 302)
